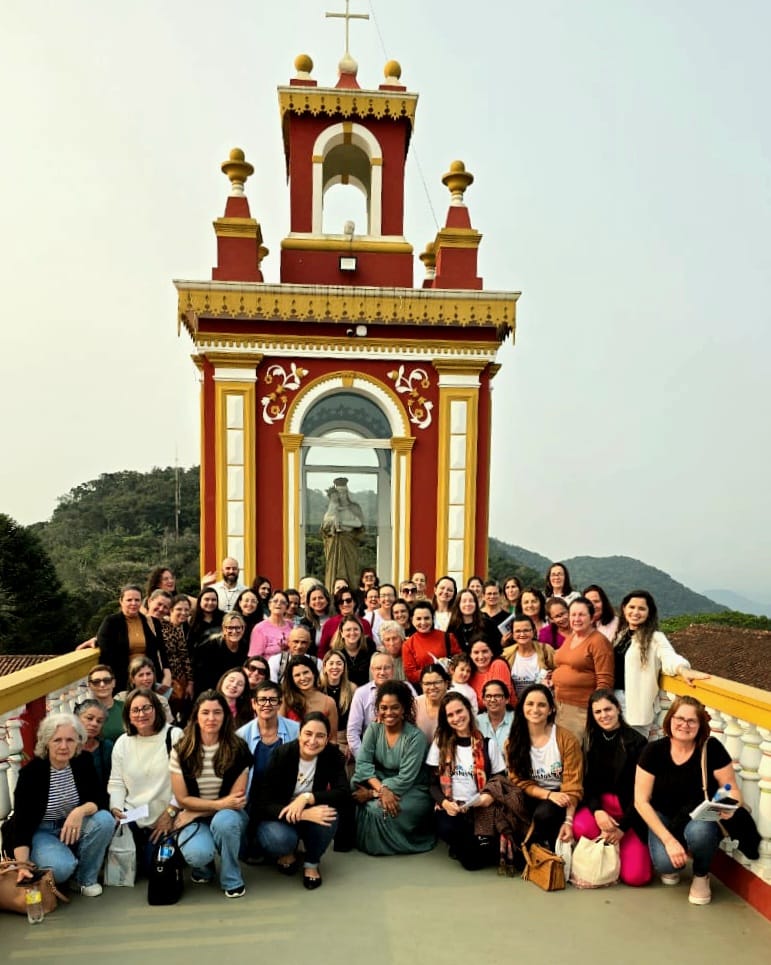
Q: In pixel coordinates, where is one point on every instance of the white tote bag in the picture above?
(120, 863)
(596, 864)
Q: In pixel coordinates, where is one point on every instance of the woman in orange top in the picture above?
(583, 664)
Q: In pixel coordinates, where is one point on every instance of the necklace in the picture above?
(612, 736)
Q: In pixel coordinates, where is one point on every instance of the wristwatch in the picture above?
(172, 813)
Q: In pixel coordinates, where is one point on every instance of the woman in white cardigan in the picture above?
(642, 652)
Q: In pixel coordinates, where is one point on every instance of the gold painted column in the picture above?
(235, 471)
(291, 443)
(401, 501)
(457, 470)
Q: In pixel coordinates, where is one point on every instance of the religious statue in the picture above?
(342, 528)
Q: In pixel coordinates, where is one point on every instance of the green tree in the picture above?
(35, 612)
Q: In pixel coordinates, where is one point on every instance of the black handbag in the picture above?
(165, 876)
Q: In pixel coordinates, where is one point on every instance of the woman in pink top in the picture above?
(270, 636)
(583, 664)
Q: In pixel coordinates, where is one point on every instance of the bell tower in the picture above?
(345, 369)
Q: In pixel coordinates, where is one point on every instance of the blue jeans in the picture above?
(279, 837)
(220, 834)
(86, 857)
(702, 839)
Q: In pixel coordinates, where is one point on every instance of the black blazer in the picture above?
(330, 785)
(112, 641)
(31, 798)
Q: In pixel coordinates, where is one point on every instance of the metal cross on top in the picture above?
(348, 16)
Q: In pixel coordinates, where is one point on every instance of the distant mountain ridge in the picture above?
(735, 601)
(617, 575)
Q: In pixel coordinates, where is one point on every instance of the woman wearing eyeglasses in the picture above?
(531, 662)
(269, 636)
(220, 653)
(668, 786)
(140, 771)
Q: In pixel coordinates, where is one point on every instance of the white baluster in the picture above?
(763, 814)
(732, 741)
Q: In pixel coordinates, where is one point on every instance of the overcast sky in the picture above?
(621, 154)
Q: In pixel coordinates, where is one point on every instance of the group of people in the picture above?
(259, 729)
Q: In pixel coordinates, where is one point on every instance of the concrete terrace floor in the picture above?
(412, 910)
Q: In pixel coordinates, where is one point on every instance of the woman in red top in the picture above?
(487, 667)
(426, 645)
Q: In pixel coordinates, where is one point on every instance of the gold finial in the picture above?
(303, 64)
(393, 71)
(238, 169)
(262, 252)
(428, 257)
(457, 180)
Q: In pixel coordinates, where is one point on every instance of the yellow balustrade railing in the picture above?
(23, 686)
(729, 697)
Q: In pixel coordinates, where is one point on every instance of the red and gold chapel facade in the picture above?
(345, 357)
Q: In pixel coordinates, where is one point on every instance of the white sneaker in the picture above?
(673, 879)
(91, 891)
(700, 893)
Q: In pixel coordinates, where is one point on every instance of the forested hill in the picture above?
(115, 529)
(617, 575)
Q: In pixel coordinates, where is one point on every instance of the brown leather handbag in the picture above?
(12, 897)
(542, 866)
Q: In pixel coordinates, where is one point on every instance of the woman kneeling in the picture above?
(61, 821)
(463, 762)
(303, 790)
(668, 786)
(209, 771)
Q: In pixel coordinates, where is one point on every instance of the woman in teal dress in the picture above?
(390, 783)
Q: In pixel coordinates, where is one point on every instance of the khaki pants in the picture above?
(572, 718)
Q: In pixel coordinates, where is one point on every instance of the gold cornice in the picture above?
(335, 303)
(402, 443)
(237, 228)
(268, 344)
(463, 366)
(291, 441)
(457, 238)
(361, 104)
(226, 359)
(346, 245)
(495, 368)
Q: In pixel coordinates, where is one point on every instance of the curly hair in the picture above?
(400, 690)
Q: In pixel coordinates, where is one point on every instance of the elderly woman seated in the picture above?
(61, 821)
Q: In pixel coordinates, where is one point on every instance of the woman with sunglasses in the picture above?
(101, 684)
(345, 605)
(257, 670)
(318, 606)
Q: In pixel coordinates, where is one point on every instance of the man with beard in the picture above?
(229, 586)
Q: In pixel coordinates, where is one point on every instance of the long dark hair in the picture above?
(190, 747)
(518, 758)
(197, 622)
(445, 737)
(608, 613)
(643, 634)
(548, 589)
(456, 624)
(293, 697)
